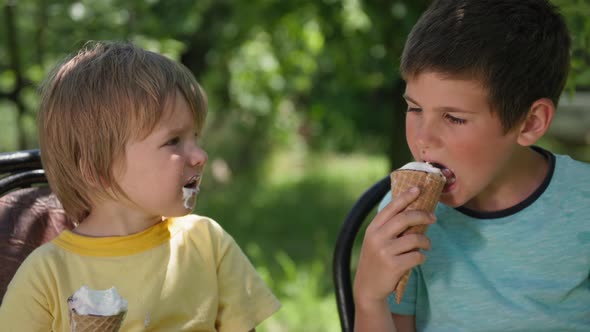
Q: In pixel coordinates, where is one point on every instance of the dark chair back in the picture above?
(30, 214)
(20, 169)
(341, 271)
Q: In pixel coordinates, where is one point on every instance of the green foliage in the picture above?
(273, 70)
(577, 14)
(305, 306)
(253, 59)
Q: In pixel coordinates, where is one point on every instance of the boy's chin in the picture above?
(451, 200)
(180, 211)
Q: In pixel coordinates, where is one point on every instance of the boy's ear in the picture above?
(537, 121)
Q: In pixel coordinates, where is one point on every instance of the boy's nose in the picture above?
(198, 157)
(427, 136)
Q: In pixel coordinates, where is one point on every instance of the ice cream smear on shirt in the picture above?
(88, 301)
(190, 191)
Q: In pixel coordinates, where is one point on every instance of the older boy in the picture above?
(118, 128)
(510, 249)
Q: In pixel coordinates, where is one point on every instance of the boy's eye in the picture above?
(454, 119)
(413, 109)
(173, 141)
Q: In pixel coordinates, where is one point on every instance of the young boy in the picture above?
(118, 128)
(510, 248)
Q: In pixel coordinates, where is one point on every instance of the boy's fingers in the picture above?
(409, 242)
(410, 259)
(396, 206)
(403, 220)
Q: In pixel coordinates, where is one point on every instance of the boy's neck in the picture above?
(109, 219)
(524, 172)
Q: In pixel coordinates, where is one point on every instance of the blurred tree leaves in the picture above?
(321, 74)
(577, 14)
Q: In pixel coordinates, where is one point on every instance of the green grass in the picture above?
(288, 222)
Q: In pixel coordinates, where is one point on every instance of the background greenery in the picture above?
(305, 111)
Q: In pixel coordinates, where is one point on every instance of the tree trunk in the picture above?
(13, 48)
(399, 153)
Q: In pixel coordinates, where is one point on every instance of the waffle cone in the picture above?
(94, 323)
(431, 186)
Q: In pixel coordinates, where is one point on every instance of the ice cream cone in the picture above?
(95, 323)
(431, 185)
(96, 310)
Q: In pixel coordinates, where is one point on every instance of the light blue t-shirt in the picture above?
(526, 268)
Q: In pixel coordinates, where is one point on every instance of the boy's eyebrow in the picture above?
(177, 130)
(442, 108)
(408, 98)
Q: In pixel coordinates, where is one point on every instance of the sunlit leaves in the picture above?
(169, 47)
(7, 80)
(577, 15)
(354, 18)
(255, 73)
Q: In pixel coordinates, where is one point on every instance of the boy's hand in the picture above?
(385, 257)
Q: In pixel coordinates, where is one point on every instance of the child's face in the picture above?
(449, 122)
(168, 160)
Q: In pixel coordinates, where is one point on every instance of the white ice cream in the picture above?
(106, 302)
(421, 166)
(187, 194)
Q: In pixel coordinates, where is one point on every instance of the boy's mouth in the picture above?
(448, 174)
(192, 183)
(190, 191)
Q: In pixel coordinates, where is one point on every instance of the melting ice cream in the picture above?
(188, 194)
(190, 191)
(421, 166)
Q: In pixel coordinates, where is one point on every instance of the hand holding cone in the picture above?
(431, 183)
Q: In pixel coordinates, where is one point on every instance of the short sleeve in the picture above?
(25, 306)
(386, 199)
(407, 306)
(244, 298)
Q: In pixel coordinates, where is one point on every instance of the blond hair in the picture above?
(92, 104)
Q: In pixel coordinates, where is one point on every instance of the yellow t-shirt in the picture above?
(183, 274)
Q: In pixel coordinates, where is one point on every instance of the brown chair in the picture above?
(30, 214)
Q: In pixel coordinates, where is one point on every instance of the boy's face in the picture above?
(168, 160)
(449, 122)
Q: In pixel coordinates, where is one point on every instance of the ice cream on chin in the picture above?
(190, 192)
(431, 181)
(96, 310)
(189, 196)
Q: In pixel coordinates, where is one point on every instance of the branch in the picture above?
(41, 20)
(14, 56)
(13, 48)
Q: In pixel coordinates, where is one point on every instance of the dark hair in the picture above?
(518, 49)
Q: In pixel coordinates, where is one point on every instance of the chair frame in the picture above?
(23, 169)
(341, 271)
